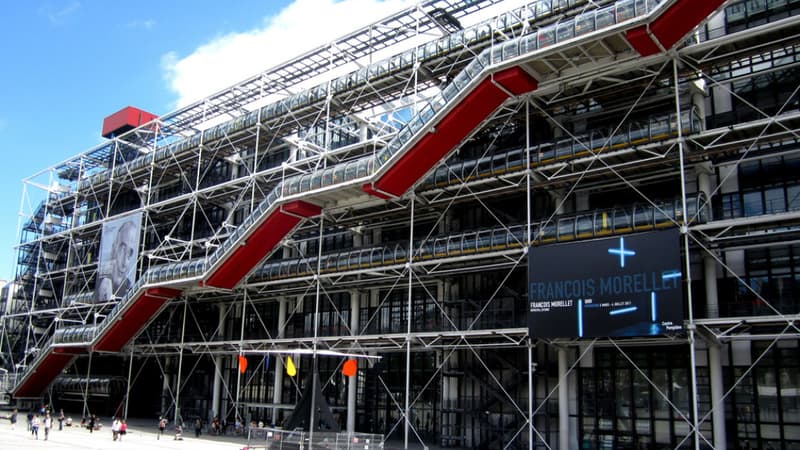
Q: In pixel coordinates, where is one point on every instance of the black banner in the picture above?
(621, 286)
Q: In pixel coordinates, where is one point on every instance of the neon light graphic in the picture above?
(669, 275)
(580, 318)
(621, 251)
(627, 310)
(653, 306)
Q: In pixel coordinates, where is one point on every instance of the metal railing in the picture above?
(277, 439)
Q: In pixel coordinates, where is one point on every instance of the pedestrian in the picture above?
(178, 432)
(115, 426)
(215, 425)
(92, 422)
(123, 429)
(13, 419)
(48, 423)
(35, 426)
(198, 427)
(30, 420)
(162, 425)
(61, 419)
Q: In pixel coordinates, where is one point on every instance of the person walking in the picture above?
(61, 419)
(123, 429)
(179, 432)
(198, 427)
(162, 425)
(35, 426)
(92, 422)
(48, 423)
(115, 427)
(13, 419)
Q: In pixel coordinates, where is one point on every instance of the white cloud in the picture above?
(146, 24)
(299, 27)
(58, 16)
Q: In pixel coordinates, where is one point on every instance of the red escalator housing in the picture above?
(134, 319)
(672, 25)
(261, 243)
(46, 371)
(451, 130)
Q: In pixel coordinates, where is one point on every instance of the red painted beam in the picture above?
(672, 25)
(451, 130)
(43, 374)
(516, 80)
(302, 209)
(369, 189)
(132, 321)
(163, 292)
(681, 18)
(260, 244)
(641, 41)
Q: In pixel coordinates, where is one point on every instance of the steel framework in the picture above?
(381, 195)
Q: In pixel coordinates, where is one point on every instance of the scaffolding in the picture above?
(382, 195)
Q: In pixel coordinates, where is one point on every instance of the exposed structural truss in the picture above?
(243, 194)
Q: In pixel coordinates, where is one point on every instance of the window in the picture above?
(627, 406)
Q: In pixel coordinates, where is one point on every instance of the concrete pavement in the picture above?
(138, 437)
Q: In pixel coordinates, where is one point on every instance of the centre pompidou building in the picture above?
(563, 224)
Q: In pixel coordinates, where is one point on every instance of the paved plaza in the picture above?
(138, 437)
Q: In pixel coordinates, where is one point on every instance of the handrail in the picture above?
(536, 39)
(658, 128)
(478, 33)
(568, 227)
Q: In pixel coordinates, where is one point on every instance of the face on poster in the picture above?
(621, 286)
(119, 252)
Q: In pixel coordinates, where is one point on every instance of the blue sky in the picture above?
(68, 64)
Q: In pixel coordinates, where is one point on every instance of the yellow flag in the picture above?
(291, 370)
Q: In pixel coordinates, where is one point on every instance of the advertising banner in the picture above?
(621, 286)
(119, 251)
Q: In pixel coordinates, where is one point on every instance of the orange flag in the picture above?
(350, 368)
(242, 363)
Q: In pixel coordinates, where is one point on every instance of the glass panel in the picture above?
(547, 36)
(566, 30)
(566, 228)
(585, 225)
(774, 200)
(604, 18)
(584, 24)
(622, 220)
(753, 206)
(661, 405)
(643, 216)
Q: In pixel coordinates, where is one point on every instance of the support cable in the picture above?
(409, 313)
(664, 396)
(749, 148)
(743, 376)
(241, 348)
(789, 321)
(128, 384)
(596, 154)
(314, 342)
(180, 366)
(687, 257)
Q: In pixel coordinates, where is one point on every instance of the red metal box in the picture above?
(124, 120)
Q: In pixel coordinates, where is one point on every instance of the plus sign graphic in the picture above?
(621, 251)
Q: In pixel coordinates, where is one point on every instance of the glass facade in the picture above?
(640, 399)
(763, 410)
